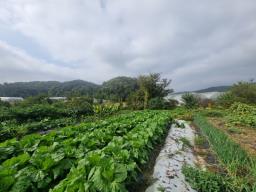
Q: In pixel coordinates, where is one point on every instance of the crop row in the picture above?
(50, 163)
(115, 167)
(29, 143)
(10, 130)
(240, 166)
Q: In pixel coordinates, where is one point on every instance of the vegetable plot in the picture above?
(96, 156)
(240, 166)
(116, 165)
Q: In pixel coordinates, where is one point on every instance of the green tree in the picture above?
(118, 89)
(152, 86)
(136, 100)
(80, 106)
(226, 99)
(190, 100)
(244, 92)
(4, 104)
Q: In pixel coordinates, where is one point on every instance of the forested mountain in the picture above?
(214, 89)
(52, 88)
(118, 88)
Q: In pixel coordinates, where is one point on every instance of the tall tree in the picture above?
(119, 88)
(153, 86)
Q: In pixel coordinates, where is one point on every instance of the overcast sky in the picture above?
(196, 43)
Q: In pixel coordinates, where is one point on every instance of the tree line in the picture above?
(144, 91)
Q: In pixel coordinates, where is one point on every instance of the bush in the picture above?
(106, 109)
(190, 100)
(136, 100)
(4, 104)
(78, 106)
(226, 99)
(206, 181)
(205, 102)
(172, 103)
(244, 92)
(242, 114)
(39, 99)
(156, 103)
(34, 112)
(214, 113)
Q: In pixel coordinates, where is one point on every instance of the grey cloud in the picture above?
(196, 43)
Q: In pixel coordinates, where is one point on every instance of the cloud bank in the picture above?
(195, 43)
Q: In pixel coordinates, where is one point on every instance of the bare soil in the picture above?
(206, 158)
(244, 136)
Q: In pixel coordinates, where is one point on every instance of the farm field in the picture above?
(78, 146)
(102, 155)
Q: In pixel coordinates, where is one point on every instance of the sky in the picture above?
(196, 43)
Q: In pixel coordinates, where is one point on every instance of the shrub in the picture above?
(4, 104)
(172, 103)
(206, 181)
(244, 92)
(214, 113)
(226, 99)
(136, 100)
(205, 102)
(242, 114)
(78, 106)
(190, 100)
(156, 103)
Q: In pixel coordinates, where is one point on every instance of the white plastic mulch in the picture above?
(168, 167)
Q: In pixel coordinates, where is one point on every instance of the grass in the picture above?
(234, 130)
(185, 142)
(200, 140)
(240, 166)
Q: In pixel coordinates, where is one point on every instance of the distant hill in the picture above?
(52, 88)
(214, 89)
(209, 89)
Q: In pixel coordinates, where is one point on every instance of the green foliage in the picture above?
(244, 92)
(157, 103)
(179, 124)
(39, 99)
(241, 167)
(42, 109)
(214, 113)
(200, 140)
(136, 100)
(205, 102)
(51, 88)
(110, 168)
(4, 104)
(153, 86)
(203, 181)
(34, 112)
(161, 103)
(242, 114)
(118, 89)
(98, 156)
(106, 109)
(185, 142)
(10, 129)
(226, 99)
(78, 106)
(190, 100)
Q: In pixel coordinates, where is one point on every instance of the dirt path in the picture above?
(175, 153)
